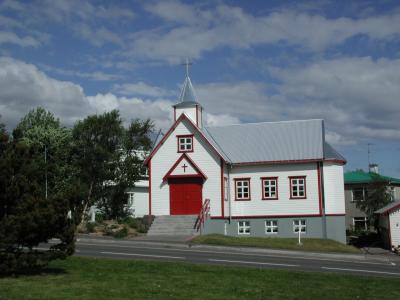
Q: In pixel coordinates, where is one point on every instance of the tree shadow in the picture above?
(34, 272)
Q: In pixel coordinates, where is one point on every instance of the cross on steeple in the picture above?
(184, 168)
(187, 63)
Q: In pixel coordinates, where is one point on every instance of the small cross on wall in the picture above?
(184, 168)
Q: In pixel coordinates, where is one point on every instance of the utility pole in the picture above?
(369, 154)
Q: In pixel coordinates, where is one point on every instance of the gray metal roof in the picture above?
(188, 96)
(331, 153)
(270, 141)
(388, 207)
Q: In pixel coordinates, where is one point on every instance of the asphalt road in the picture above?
(140, 250)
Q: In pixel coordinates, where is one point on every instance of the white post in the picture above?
(92, 214)
(300, 237)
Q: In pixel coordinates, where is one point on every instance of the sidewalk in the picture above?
(183, 242)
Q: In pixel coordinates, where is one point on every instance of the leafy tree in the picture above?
(108, 160)
(377, 197)
(39, 128)
(131, 154)
(3, 137)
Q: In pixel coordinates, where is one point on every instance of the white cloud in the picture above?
(96, 36)
(141, 88)
(358, 97)
(7, 37)
(244, 100)
(81, 16)
(194, 30)
(95, 75)
(220, 120)
(23, 87)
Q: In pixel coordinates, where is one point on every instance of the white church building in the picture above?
(269, 179)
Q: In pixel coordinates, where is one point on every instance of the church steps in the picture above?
(173, 225)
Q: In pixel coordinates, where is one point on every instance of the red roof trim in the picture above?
(280, 216)
(149, 166)
(294, 161)
(184, 156)
(389, 210)
(182, 116)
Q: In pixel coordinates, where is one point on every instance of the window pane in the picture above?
(358, 194)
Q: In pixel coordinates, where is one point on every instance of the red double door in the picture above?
(185, 196)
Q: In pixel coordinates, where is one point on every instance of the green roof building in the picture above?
(356, 189)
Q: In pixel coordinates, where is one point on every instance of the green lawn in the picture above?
(316, 245)
(90, 278)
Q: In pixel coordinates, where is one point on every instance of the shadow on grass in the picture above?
(34, 272)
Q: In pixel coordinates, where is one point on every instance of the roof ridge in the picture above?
(266, 122)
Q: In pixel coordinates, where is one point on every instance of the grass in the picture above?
(91, 278)
(314, 245)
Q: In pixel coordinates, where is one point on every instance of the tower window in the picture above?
(185, 143)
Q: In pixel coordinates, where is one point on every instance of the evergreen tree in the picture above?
(31, 211)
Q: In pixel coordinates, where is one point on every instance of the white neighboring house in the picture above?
(262, 179)
(138, 199)
(389, 223)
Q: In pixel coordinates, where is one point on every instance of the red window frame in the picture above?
(236, 194)
(291, 187)
(263, 188)
(178, 143)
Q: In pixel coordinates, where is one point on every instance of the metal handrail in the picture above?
(204, 212)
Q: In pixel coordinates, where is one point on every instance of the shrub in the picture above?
(123, 232)
(99, 217)
(142, 225)
(90, 227)
(131, 222)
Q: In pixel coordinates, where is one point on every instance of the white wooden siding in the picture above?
(227, 203)
(394, 219)
(167, 155)
(397, 193)
(140, 202)
(189, 111)
(184, 168)
(334, 189)
(284, 205)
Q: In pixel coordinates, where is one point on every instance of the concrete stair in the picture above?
(173, 226)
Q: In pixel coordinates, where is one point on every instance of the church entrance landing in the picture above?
(185, 195)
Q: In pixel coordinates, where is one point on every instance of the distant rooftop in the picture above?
(388, 208)
(360, 176)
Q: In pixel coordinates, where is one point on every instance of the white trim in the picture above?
(301, 187)
(244, 227)
(271, 185)
(365, 222)
(302, 225)
(241, 185)
(363, 192)
(273, 225)
(186, 142)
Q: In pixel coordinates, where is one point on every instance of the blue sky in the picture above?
(254, 61)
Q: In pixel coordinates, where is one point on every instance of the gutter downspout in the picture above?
(229, 167)
(324, 229)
